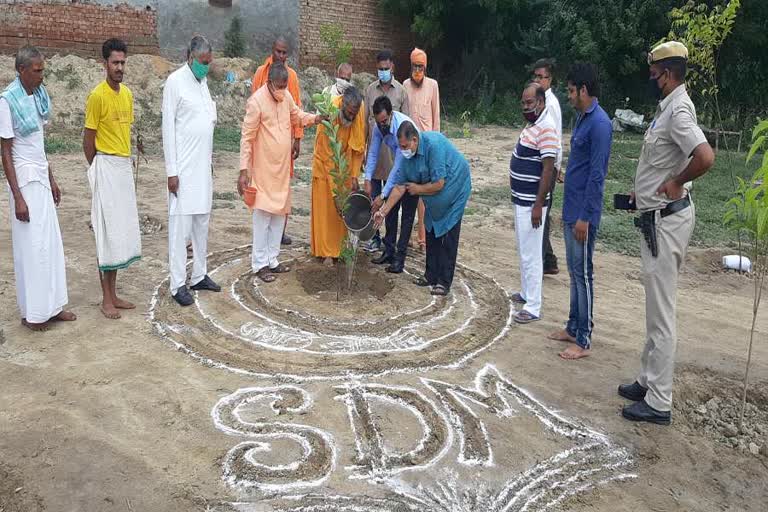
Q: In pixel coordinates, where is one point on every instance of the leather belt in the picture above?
(677, 206)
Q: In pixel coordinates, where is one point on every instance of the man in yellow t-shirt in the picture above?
(107, 147)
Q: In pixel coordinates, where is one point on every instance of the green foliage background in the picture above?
(481, 51)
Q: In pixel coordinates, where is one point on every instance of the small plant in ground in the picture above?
(337, 48)
(748, 214)
(234, 42)
(466, 124)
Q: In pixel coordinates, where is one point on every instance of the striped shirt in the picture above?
(538, 140)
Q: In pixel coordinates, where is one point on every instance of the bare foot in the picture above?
(574, 352)
(123, 304)
(41, 327)
(562, 335)
(110, 311)
(64, 316)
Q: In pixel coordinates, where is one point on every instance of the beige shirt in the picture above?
(424, 103)
(399, 99)
(667, 148)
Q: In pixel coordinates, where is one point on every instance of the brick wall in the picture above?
(365, 27)
(76, 26)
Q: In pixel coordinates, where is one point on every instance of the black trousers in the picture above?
(441, 256)
(394, 247)
(550, 260)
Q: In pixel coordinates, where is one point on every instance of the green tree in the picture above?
(748, 214)
(704, 30)
(337, 49)
(234, 41)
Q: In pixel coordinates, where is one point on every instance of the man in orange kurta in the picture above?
(280, 54)
(265, 166)
(328, 230)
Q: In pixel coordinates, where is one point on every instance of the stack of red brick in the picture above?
(365, 26)
(75, 27)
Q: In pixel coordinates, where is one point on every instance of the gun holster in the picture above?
(646, 222)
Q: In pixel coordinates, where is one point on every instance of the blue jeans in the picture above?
(579, 258)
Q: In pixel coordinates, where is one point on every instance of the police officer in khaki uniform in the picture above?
(675, 152)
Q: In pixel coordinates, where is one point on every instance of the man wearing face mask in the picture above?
(388, 86)
(434, 170)
(280, 50)
(189, 116)
(265, 166)
(384, 141)
(424, 102)
(675, 152)
(327, 227)
(343, 81)
(531, 172)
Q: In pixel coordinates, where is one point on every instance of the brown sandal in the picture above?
(280, 269)
(265, 275)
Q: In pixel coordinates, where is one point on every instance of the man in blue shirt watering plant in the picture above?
(582, 204)
(433, 169)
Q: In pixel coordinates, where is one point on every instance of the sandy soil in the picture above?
(107, 415)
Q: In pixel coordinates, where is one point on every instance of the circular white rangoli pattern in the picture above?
(296, 327)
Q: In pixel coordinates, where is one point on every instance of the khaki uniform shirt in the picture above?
(399, 98)
(669, 142)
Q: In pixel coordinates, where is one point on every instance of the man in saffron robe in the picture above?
(265, 166)
(328, 228)
(280, 51)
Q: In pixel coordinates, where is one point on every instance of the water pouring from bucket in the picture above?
(357, 216)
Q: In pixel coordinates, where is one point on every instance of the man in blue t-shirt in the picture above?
(582, 204)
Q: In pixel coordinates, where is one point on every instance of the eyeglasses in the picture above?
(541, 77)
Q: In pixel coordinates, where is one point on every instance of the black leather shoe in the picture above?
(394, 268)
(641, 411)
(183, 297)
(381, 260)
(632, 391)
(286, 240)
(551, 271)
(207, 284)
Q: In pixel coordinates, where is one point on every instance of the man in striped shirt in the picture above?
(531, 172)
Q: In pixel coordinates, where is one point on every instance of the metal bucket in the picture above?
(357, 216)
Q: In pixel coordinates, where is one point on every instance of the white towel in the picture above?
(114, 216)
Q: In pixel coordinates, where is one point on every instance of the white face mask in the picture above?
(407, 153)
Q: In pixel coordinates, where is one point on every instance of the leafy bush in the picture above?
(337, 49)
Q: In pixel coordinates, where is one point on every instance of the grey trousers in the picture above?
(657, 364)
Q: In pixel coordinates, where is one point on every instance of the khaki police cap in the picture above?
(667, 51)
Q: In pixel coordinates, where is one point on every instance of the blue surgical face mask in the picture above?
(385, 75)
(407, 153)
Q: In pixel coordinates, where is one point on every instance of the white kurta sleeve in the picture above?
(170, 104)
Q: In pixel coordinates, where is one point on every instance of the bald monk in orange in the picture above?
(265, 166)
(328, 229)
(280, 54)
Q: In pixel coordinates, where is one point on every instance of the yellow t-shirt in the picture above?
(110, 113)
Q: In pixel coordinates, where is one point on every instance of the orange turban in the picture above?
(419, 56)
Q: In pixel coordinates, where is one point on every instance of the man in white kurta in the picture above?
(189, 116)
(38, 253)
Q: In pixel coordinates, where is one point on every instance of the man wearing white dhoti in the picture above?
(107, 147)
(38, 253)
(189, 115)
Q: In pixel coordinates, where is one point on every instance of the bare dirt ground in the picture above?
(105, 415)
